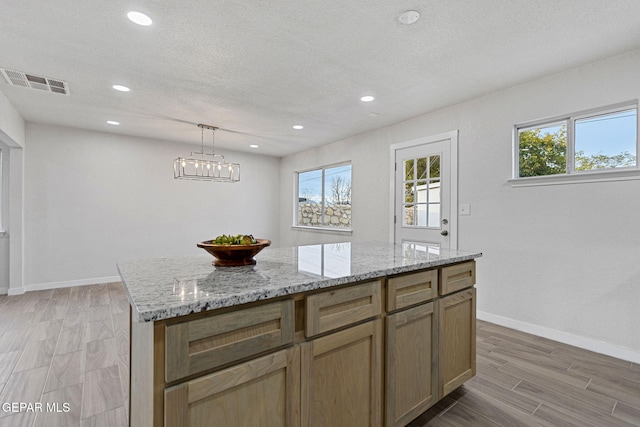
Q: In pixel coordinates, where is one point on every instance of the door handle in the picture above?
(444, 232)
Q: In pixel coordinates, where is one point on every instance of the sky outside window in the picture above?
(310, 183)
(608, 135)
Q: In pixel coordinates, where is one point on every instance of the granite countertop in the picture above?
(162, 288)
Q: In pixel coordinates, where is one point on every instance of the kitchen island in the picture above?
(366, 333)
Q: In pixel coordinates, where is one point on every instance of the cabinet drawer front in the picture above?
(206, 343)
(457, 277)
(341, 307)
(265, 390)
(410, 289)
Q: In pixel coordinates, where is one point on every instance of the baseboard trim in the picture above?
(4, 291)
(69, 283)
(15, 291)
(563, 337)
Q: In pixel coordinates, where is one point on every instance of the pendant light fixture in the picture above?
(206, 166)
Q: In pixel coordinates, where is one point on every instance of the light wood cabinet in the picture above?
(457, 340)
(410, 363)
(331, 358)
(199, 345)
(411, 289)
(457, 277)
(260, 392)
(341, 378)
(336, 308)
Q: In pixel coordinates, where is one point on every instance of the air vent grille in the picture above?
(18, 78)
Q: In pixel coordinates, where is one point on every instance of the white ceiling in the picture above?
(255, 68)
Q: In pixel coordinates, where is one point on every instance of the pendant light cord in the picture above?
(213, 142)
(202, 143)
(202, 140)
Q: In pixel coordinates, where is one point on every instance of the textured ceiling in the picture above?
(255, 68)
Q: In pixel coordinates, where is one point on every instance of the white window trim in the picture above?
(296, 192)
(322, 229)
(572, 176)
(577, 178)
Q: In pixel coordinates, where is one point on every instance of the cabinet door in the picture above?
(457, 340)
(260, 392)
(411, 364)
(341, 378)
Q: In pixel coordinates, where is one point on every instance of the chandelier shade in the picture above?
(203, 166)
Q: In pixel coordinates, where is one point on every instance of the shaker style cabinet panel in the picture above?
(457, 277)
(411, 364)
(203, 344)
(411, 289)
(341, 375)
(260, 392)
(457, 340)
(336, 308)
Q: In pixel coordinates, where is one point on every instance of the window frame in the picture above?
(296, 177)
(572, 175)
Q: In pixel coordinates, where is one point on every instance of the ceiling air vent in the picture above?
(18, 78)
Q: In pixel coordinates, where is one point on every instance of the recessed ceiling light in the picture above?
(298, 127)
(139, 18)
(121, 88)
(253, 146)
(113, 122)
(367, 98)
(409, 17)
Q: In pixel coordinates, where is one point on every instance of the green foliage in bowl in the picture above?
(239, 239)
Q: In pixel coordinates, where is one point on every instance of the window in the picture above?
(324, 197)
(421, 183)
(583, 143)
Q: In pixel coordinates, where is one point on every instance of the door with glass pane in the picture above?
(423, 196)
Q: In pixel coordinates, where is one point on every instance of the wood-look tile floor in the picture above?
(67, 349)
(524, 380)
(71, 346)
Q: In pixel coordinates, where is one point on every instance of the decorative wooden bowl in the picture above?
(234, 255)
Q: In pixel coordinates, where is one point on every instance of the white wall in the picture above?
(4, 220)
(93, 199)
(11, 143)
(561, 260)
(11, 124)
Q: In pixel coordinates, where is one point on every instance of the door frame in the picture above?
(452, 136)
